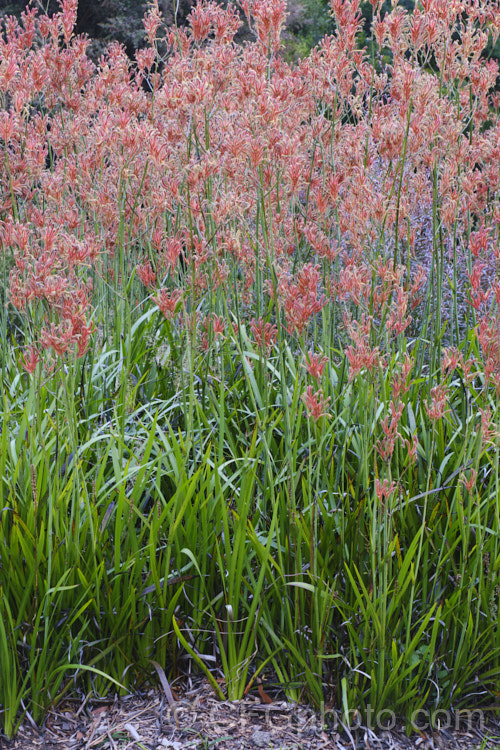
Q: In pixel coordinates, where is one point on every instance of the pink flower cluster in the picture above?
(227, 163)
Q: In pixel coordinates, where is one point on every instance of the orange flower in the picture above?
(315, 403)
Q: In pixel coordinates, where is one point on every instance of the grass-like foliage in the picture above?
(250, 363)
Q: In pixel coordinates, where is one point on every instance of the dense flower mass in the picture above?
(340, 187)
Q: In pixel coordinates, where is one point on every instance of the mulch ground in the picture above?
(197, 720)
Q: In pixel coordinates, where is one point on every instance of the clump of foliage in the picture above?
(251, 359)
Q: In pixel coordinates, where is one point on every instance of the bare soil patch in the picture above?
(197, 720)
